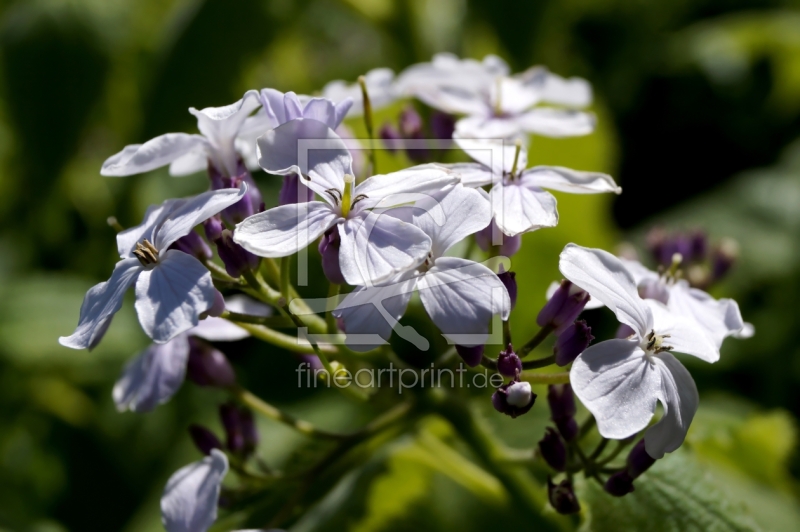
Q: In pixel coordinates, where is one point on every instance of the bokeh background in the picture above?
(699, 121)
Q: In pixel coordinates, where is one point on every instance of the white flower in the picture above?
(279, 108)
(519, 204)
(373, 247)
(172, 288)
(380, 89)
(156, 374)
(621, 380)
(497, 105)
(190, 498)
(225, 132)
(459, 295)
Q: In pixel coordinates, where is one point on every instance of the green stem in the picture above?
(269, 321)
(284, 341)
(621, 445)
(490, 363)
(506, 333)
(368, 123)
(286, 267)
(333, 293)
(599, 449)
(265, 292)
(545, 378)
(539, 363)
(586, 427)
(543, 333)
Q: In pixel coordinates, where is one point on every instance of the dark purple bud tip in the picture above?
(410, 122)
(442, 125)
(562, 408)
(492, 235)
(571, 342)
(508, 363)
(249, 430)
(564, 307)
(699, 245)
(391, 137)
(638, 460)
(329, 249)
(213, 228)
(619, 484)
(208, 366)
(235, 258)
(294, 191)
(231, 419)
(553, 449)
(723, 258)
(194, 245)
(243, 208)
(471, 356)
(509, 280)
(514, 399)
(204, 439)
(562, 497)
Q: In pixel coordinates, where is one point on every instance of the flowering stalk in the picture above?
(362, 81)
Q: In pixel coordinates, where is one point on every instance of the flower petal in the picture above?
(518, 209)
(568, 180)
(190, 163)
(284, 230)
(616, 383)
(572, 92)
(190, 498)
(102, 301)
(680, 399)
(495, 154)
(153, 218)
(389, 190)
(153, 377)
(556, 122)
(380, 87)
(461, 296)
(606, 279)
(472, 174)
(491, 127)
(222, 330)
(171, 296)
(720, 318)
(155, 153)
(685, 334)
(374, 247)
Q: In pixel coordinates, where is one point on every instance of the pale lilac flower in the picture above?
(519, 202)
(459, 295)
(279, 108)
(621, 380)
(380, 89)
(156, 374)
(172, 288)
(497, 105)
(190, 498)
(373, 247)
(227, 134)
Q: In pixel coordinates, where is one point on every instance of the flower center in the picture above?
(654, 343)
(346, 200)
(146, 253)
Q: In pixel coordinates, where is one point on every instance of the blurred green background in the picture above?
(699, 121)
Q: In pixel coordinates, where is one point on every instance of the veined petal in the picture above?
(568, 180)
(326, 111)
(153, 377)
(472, 174)
(685, 334)
(190, 498)
(556, 122)
(618, 385)
(571, 92)
(192, 211)
(518, 209)
(222, 330)
(679, 396)
(496, 155)
(606, 279)
(374, 247)
(153, 218)
(323, 164)
(478, 126)
(513, 96)
(454, 100)
(380, 88)
(720, 318)
(389, 190)
(102, 301)
(155, 153)
(284, 230)
(171, 295)
(190, 163)
(461, 296)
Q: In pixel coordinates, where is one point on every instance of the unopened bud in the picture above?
(561, 310)
(410, 122)
(235, 258)
(638, 460)
(562, 409)
(194, 245)
(553, 449)
(619, 484)
(294, 191)
(204, 439)
(699, 245)
(442, 125)
(207, 366)
(562, 497)
(391, 137)
(471, 356)
(513, 399)
(509, 245)
(509, 280)
(230, 416)
(213, 228)
(508, 363)
(329, 250)
(723, 258)
(249, 430)
(571, 342)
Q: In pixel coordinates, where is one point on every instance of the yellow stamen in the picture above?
(347, 196)
(516, 157)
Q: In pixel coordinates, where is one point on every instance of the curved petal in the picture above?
(461, 297)
(618, 385)
(222, 330)
(495, 154)
(606, 279)
(513, 96)
(102, 301)
(327, 160)
(568, 180)
(685, 334)
(284, 230)
(171, 296)
(325, 111)
(477, 126)
(556, 122)
(190, 498)
(518, 209)
(720, 318)
(153, 377)
(572, 92)
(389, 190)
(747, 331)
(190, 163)
(192, 211)
(153, 218)
(380, 87)
(374, 247)
(679, 396)
(471, 174)
(155, 153)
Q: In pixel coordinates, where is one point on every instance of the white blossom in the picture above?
(190, 498)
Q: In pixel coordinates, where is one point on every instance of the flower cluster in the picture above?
(386, 237)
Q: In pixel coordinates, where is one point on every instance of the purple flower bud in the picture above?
(571, 342)
(235, 258)
(329, 249)
(471, 356)
(204, 439)
(723, 257)
(699, 247)
(410, 122)
(249, 430)
(509, 280)
(619, 484)
(418, 154)
(256, 200)
(218, 180)
(624, 331)
(638, 460)
(313, 361)
(683, 246)
(561, 310)
(243, 208)
(218, 306)
(562, 409)
(231, 419)
(508, 363)
(513, 399)
(207, 366)
(553, 449)
(213, 228)
(442, 125)
(294, 191)
(509, 244)
(391, 137)
(562, 497)
(194, 245)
